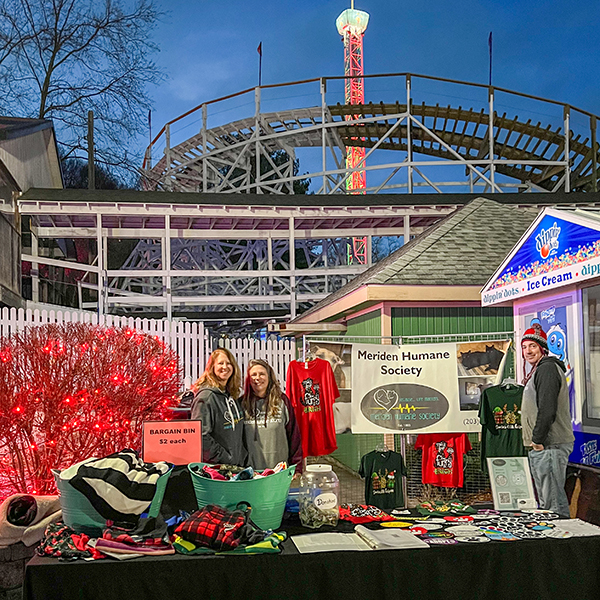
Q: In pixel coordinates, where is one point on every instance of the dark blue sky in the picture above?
(547, 49)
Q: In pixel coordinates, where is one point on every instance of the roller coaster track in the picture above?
(466, 133)
(518, 153)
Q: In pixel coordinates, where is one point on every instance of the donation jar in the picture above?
(319, 496)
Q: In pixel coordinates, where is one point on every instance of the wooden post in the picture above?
(594, 155)
(90, 143)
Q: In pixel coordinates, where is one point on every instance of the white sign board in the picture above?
(408, 389)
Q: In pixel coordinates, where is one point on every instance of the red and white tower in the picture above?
(351, 25)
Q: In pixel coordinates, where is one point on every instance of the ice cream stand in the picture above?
(552, 276)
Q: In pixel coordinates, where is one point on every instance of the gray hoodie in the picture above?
(222, 427)
(545, 413)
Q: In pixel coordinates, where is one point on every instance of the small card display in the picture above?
(511, 482)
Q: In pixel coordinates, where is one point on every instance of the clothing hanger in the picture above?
(508, 381)
(381, 447)
(308, 354)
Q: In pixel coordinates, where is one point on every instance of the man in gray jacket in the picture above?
(546, 421)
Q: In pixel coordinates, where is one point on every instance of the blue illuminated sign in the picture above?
(586, 450)
(556, 252)
(553, 245)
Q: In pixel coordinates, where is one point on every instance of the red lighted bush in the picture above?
(75, 390)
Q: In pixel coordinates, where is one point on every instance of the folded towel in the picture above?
(24, 517)
(247, 473)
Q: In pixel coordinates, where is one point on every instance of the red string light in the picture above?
(75, 390)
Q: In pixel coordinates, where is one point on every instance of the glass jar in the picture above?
(319, 496)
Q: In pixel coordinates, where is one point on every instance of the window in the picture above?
(591, 340)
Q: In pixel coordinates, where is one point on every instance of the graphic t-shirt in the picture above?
(442, 462)
(312, 389)
(500, 416)
(266, 436)
(359, 513)
(383, 473)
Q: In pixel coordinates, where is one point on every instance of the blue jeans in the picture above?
(549, 472)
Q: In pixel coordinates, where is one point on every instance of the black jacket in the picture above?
(222, 427)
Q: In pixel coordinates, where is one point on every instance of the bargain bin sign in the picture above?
(560, 248)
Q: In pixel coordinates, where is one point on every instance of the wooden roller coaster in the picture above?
(501, 153)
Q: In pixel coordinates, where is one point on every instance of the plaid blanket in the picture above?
(214, 527)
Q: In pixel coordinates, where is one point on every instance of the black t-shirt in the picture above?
(383, 473)
(500, 416)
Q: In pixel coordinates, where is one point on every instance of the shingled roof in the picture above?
(465, 248)
(582, 199)
(15, 127)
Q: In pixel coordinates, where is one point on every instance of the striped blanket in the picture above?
(120, 486)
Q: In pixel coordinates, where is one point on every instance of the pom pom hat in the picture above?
(536, 334)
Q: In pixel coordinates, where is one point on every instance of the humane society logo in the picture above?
(546, 241)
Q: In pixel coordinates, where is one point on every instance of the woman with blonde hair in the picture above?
(216, 404)
(270, 427)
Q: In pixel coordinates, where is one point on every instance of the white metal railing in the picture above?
(508, 153)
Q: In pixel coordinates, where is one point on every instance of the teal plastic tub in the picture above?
(79, 514)
(267, 495)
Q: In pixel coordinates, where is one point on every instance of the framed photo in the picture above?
(339, 356)
(479, 366)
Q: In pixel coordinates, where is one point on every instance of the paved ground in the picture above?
(352, 487)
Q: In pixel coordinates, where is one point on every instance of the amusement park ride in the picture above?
(237, 243)
(351, 25)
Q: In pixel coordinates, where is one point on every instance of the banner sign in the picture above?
(408, 389)
(557, 252)
(177, 442)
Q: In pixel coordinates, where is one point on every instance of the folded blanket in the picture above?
(363, 513)
(121, 548)
(271, 544)
(64, 543)
(24, 517)
(120, 486)
(149, 531)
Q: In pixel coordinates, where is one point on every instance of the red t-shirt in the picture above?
(312, 389)
(442, 462)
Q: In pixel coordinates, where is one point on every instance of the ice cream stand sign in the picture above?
(560, 248)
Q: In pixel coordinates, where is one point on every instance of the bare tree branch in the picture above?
(60, 59)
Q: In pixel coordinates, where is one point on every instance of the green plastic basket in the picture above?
(266, 495)
(79, 514)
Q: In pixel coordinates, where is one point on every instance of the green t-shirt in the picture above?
(383, 473)
(500, 416)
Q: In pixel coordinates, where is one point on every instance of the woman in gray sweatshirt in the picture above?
(270, 428)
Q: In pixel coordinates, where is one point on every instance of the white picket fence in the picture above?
(188, 339)
(278, 353)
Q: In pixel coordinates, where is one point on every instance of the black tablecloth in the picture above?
(528, 569)
(543, 569)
